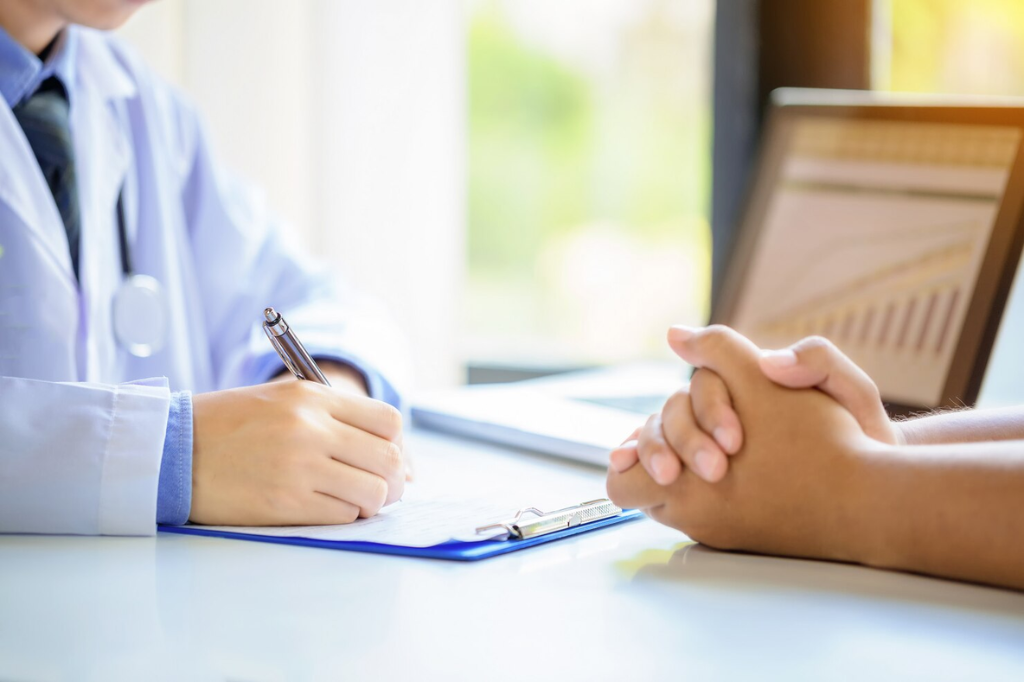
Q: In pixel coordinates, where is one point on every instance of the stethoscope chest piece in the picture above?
(140, 315)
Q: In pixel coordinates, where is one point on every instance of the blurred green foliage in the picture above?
(530, 122)
(550, 152)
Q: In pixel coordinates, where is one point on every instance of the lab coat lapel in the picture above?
(102, 84)
(24, 191)
(102, 147)
(104, 155)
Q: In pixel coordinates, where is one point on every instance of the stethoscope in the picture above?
(139, 312)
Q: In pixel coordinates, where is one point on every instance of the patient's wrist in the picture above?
(907, 433)
(844, 510)
(876, 507)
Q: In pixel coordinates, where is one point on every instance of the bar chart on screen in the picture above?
(908, 305)
(877, 251)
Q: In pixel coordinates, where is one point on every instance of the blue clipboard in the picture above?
(464, 551)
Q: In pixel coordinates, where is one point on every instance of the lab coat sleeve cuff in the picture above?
(130, 467)
(269, 365)
(174, 491)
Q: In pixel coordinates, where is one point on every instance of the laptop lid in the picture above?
(891, 225)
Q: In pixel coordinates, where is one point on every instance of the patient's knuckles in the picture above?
(710, 396)
(815, 342)
(715, 338)
(649, 439)
(632, 488)
(728, 354)
(677, 408)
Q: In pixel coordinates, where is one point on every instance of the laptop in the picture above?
(890, 224)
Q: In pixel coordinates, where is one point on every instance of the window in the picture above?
(950, 46)
(584, 125)
(589, 130)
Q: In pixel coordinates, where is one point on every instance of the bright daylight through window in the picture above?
(589, 170)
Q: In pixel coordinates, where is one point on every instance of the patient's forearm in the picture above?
(965, 426)
(948, 510)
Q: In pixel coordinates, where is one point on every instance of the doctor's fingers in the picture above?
(316, 508)
(684, 436)
(656, 456)
(363, 489)
(368, 414)
(370, 453)
(712, 408)
(319, 508)
(728, 353)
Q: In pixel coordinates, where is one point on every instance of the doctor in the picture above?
(134, 270)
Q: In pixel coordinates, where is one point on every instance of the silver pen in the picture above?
(291, 350)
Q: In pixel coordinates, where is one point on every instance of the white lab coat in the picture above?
(81, 436)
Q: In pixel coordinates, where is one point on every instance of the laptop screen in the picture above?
(873, 233)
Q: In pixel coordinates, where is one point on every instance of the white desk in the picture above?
(629, 602)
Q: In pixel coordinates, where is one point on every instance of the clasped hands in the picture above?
(764, 451)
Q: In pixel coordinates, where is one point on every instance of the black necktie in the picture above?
(45, 119)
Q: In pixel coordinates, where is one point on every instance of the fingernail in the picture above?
(725, 438)
(782, 358)
(681, 332)
(707, 463)
(620, 459)
(632, 443)
(659, 465)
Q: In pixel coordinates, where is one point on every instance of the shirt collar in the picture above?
(21, 72)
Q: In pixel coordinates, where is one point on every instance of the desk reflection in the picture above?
(698, 565)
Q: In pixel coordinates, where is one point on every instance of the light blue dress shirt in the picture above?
(21, 73)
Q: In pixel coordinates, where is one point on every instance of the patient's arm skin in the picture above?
(963, 426)
(952, 510)
(809, 483)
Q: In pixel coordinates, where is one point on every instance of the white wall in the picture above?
(350, 114)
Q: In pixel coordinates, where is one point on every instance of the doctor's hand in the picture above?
(293, 453)
(341, 376)
(795, 485)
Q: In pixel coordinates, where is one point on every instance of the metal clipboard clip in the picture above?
(550, 522)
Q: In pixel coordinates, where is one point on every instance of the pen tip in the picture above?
(271, 315)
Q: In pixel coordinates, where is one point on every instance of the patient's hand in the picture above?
(714, 432)
(712, 429)
(816, 362)
(793, 484)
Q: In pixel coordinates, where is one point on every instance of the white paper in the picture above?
(450, 506)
